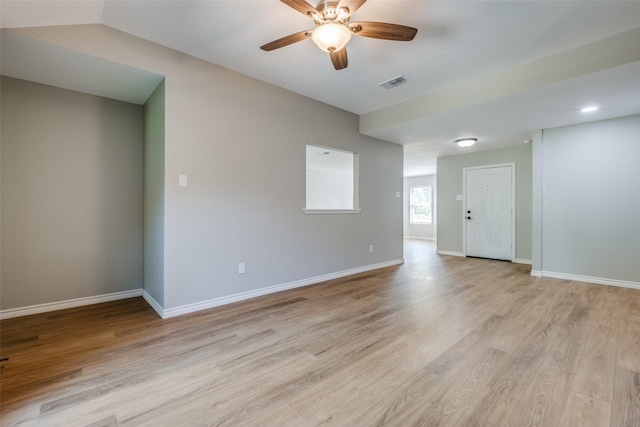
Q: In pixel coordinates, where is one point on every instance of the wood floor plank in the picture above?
(629, 343)
(564, 355)
(515, 377)
(625, 409)
(223, 399)
(524, 314)
(408, 399)
(142, 393)
(596, 369)
(630, 301)
(491, 407)
(544, 401)
(456, 397)
(322, 402)
(439, 340)
(585, 411)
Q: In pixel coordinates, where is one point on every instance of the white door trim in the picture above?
(512, 165)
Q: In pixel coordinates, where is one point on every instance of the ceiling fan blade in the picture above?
(339, 59)
(287, 40)
(351, 5)
(382, 30)
(301, 6)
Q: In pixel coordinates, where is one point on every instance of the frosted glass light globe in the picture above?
(331, 37)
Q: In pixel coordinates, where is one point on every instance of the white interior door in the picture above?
(488, 214)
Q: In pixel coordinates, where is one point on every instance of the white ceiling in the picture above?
(538, 61)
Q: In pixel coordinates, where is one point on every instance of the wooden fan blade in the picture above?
(351, 5)
(382, 30)
(339, 59)
(300, 5)
(287, 40)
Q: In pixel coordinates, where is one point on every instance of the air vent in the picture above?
(394, 82)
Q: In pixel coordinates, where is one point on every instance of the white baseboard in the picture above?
(216, 302)
(189, 308)
(522, 261)
(61, 305)
(588, 279)
(432, 239)
(153, 303)
(452, 253)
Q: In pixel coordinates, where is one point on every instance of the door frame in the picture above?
(513, 204)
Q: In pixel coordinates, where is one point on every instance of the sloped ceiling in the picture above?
(495, 70)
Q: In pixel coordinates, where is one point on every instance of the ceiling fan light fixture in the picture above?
(333, 30)
(331, 37)
(466, 142)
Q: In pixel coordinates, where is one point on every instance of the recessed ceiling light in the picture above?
(589, 109)
(466, 142)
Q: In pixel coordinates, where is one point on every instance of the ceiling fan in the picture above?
(333, 29)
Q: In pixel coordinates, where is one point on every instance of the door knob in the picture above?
(468, 217)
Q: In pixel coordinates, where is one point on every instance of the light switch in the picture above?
(458, 196)
(398, 194)
(182, 180)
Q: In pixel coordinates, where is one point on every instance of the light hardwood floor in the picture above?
(437, 341)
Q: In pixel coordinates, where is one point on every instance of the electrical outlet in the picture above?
(370, 248)
(241, 268)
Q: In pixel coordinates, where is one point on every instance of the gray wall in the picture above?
(450, 183)
(242, 144)
(591, 200)
(154, 115)
(71, 195)
(420, 231)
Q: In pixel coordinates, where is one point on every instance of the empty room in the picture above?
(338, 213)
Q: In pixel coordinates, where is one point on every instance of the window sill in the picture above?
(331, 211)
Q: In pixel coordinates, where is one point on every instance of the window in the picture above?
(331, 181)
(420, 205)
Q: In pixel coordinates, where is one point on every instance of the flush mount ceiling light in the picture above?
(589, 109)
(465, 142)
